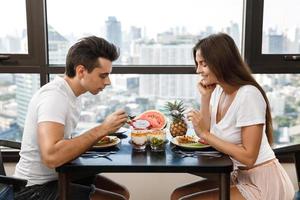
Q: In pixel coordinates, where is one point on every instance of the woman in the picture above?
(235, 119)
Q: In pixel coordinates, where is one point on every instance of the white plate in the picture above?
(194, 146)
(121, 130)
(115, 139)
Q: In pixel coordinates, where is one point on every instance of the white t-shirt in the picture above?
(54, 102)
(247, 108)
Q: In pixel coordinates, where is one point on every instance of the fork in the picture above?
(131, 117)
(93, 154)
(195, 154)
(100, 152)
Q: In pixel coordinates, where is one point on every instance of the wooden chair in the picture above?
(9, 184)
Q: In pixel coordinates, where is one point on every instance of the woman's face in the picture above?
(208, 77)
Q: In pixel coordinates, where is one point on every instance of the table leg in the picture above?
(63, 185)
(224, 184)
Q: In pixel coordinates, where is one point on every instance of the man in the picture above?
(52, 116)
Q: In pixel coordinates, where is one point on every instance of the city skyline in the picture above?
(136, 93)
(193, 15)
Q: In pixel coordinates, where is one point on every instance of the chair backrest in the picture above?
(7, 184)
(2, 170)
(11, 144)
(292, 150)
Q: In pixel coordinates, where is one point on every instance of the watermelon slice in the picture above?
(156, 119)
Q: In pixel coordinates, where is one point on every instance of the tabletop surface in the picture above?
(127, 160)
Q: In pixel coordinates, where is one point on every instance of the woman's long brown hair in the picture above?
(224, 60)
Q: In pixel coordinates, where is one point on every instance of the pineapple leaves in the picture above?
(175, 109)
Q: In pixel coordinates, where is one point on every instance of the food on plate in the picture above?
(107, 140)
(178, 126)
(156, 119)
(186, 139)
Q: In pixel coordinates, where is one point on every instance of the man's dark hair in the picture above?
(87, 51)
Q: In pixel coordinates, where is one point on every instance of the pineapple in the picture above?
(178, 126)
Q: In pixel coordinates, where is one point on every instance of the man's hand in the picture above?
(114, 121)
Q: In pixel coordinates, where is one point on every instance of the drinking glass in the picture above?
(138, 140)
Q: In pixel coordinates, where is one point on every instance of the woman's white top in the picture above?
(247, 108)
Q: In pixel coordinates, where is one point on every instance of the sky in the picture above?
(82, 16)
(88, 16)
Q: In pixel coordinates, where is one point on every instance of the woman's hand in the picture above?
(198, 122)
(205, 89)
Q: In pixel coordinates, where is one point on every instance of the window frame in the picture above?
(34, 62)
(263, 63)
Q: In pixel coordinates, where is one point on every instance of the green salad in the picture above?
(156, 141)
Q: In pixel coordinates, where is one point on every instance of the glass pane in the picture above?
(137, 93)
(16, 92)
(13, 32)
(147, 32)
(284, 96)
(281, 27)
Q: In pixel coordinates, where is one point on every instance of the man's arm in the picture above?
(55, 150)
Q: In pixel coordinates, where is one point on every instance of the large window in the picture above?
(281, 29)
(136, 93)
(155, 40)
(16, 92)
(13, 32)
(147, 32)
(272, 33)
(284, 97)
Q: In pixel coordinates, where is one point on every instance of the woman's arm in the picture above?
(205, 92)
(205, 111)
(247, 152)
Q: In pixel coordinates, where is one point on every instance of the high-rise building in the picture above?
(27, 85)
(58, 46)
(234, 32)
(276, 42)
(135, 33)
(297, 40)
(10, 44)
(170, 53)
(113, 31)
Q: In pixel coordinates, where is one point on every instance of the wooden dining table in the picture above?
(127, 160)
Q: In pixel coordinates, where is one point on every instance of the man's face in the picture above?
(95, 81)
